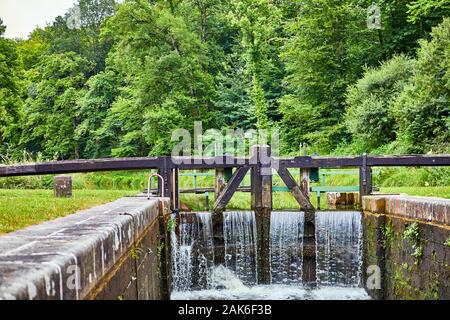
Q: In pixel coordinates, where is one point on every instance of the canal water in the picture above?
(339, 258)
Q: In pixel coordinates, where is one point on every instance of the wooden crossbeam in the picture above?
(74, 166)
(296, 191)
(226, 195)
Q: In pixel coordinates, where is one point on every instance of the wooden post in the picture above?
(305, 182)
(219, 241)
(309, 248)
(220, 182)
(261, 180)
(174, 189)
(365, 180)
(62, 186)
(165, 172)
(309, 238)
(217, 219)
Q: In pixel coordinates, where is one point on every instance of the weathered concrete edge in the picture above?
(427, 209)
(68, 257)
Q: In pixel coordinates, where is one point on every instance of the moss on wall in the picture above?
(393, 244)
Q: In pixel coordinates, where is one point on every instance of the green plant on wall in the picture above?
(388, 233)
(136, 253)
(447, 243)
(160, 251)
(171, 224)
(413, 236)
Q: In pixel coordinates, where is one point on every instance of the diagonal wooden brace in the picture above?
(226, 195)
(296, 191)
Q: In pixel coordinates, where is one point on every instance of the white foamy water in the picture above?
(286, 247)
(339, 248)
(193, 252)
(239, 230)
(229, 287)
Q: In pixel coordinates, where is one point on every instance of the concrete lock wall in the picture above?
(408, 239)
(109, 252)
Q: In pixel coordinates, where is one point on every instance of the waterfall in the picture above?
(239, 230)
(192, 252)
(339, 248)
(286, 247)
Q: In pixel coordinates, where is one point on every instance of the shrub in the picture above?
(422, 111)
(368, 115)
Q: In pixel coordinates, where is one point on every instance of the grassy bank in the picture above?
(137, 180)
(22, 208)
(440, 192)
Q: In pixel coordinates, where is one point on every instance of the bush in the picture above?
(422, 110)
(368, 115)
(414, 177)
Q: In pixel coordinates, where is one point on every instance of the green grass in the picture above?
(241, 201)
(22, 208)
(440, 192)
(285, 201)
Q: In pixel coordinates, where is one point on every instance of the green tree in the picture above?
(51, 112)
(258, 22)
(102, 91)
(422, 111)
(166, 71)
(326, 50)
(10, 92)
(424, 12)
(79, 31)
(369, 101)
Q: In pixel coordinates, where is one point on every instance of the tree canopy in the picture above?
(112, 79)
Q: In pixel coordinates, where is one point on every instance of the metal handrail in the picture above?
(149, 189)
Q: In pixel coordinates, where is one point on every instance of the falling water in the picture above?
(240, 245)
(286, 247)
(339, 248)
(192, 252)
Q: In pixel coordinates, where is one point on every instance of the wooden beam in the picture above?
(262, 204)
(175, 189)
(226, 195)
(372, 161)
(365, 180)
(296, 191)
(165, 171)
(80, 166)
(305, 182)
(409, 161)
(220, 182)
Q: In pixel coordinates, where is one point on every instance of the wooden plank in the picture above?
(303, 201)
(75, 166)
(413, 161)
(80, 166)
(348, 162)
(320, 162)
(225, 197)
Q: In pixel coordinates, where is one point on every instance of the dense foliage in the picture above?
(113, 80)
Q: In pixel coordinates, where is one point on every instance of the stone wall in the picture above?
(109, 252)
(408, 239)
